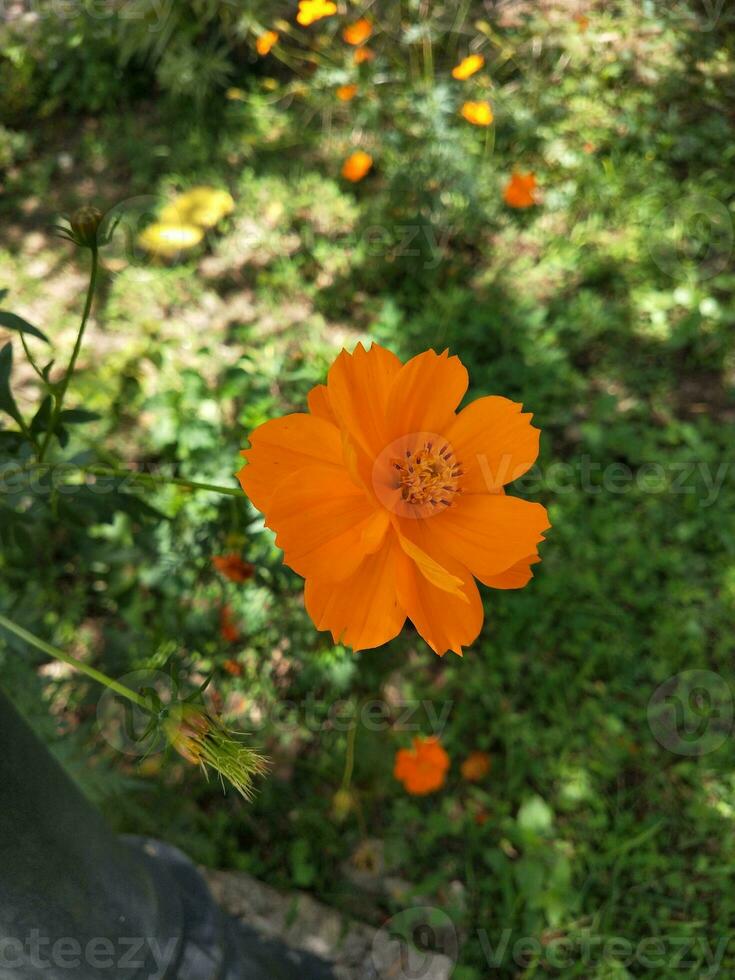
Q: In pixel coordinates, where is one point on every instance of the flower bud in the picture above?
(85, 224)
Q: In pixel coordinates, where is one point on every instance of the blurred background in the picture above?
(559, 213)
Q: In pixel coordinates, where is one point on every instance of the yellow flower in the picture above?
(311, 10)
(201, 206)
(168, 239)
(477, 113)
(235, 94)
(265, 42)
(346, 93)
(468, 66)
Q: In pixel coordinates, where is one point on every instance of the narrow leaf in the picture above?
(7, 402)
(12, 322)
(78, 416)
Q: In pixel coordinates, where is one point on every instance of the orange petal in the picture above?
(320, 517)
(516, 577)
(359, 385)
(425, 393)
(488, 533)
(363, 611)
(318, 401)
(283, 446)
(494, 443)
(445, 621)
(432, 570)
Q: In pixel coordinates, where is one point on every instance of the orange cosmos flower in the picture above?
(583, 22)
(357, 165)
(520, 190)
(362, 55)
(468, 67)
(346, 93)
(233, 567)
(475, 767)
(423, 768)
(358, 32)
(311, 10)
(477, 113)
(228, 630)
(265, 42)
(390, 503)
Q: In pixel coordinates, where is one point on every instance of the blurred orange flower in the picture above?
(520, 190)
(358, 32)
(228, 630)
(357, 165)
(233, 567)
(583, 22)
(266, 41)
(389, 502)
(468, 66)
(345, 93)
(362, 55)
(475, 767)
(233, 667)
(477, 113)
(312, 10)
(423, 768)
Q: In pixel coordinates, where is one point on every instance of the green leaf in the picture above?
(42, 417)
(12, 322)
(78, 416)
(7, 402)
(535, 815)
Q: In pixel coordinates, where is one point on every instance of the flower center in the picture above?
(428, 475)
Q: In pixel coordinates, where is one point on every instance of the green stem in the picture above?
(59, 401)
(151, 480)
(144, 478)
(350, 750)
(30, 357)
(79, 665)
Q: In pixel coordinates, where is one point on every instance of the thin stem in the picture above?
(153, 480)
(79, 665)
(31, 359)
(350, 750)
(59, 401)
(146, 478)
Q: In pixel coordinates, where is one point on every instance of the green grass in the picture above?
(607, 310)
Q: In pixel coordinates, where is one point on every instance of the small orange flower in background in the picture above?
(475, 767)
(313, 10)
(358, 32)
(423, 768)
(362, 55)
(233, 567)
(265, 42)
(345, 93)
(390, 503)
(468, 67)
(233, 667)
(520, 190)
(357, 165)
(583, 22)
(228, 630)
(477, 113)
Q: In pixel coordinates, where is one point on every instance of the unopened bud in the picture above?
(85, 224)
